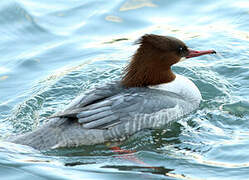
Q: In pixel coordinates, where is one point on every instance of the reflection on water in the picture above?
(134, 4)
(152, 170)
(51, 51)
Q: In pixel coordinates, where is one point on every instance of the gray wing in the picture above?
(124, 107)
(81, 102)
(111, 105)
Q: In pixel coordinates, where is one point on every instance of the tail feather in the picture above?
(60, 132)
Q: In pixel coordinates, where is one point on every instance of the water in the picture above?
(53, 50)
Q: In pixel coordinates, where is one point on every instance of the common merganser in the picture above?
(148, 96)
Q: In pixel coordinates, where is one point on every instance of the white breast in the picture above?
(183, 87)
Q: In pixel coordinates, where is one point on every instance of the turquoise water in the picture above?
(53, 50)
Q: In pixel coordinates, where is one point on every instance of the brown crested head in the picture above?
(151, 63)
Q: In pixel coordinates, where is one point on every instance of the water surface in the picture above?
(51, 51)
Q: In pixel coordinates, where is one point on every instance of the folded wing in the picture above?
(111, 105)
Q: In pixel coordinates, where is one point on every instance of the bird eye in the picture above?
(182, 50)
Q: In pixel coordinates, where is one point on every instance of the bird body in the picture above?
(149, 96)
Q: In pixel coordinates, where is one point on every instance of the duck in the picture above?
(149, 95)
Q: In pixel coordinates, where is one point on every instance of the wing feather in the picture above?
(112, 105)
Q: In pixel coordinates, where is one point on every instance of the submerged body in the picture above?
(149, 96)
(116, 113)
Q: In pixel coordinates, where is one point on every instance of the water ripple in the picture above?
(51, 51)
